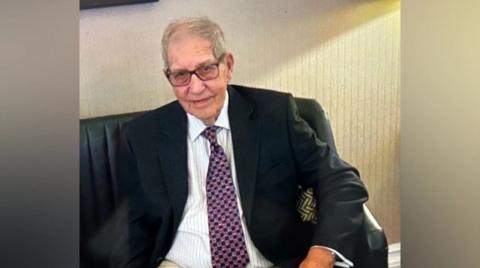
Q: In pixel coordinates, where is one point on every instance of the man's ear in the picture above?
(229, 62)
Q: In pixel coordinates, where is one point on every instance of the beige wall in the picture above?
(344, 53)
(440, 139)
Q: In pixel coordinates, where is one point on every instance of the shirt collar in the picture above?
(196, 126)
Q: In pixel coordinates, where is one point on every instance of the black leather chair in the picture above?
(100, 203)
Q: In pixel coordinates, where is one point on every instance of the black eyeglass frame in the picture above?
(168, 72)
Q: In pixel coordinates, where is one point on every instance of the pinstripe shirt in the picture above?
(191, 246)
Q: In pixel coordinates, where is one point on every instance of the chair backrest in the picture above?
(99, 200)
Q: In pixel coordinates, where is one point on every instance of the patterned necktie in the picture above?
(227, 243)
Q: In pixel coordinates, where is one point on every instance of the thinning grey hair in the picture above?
(196, 26)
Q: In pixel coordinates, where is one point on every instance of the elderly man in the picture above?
(211, 179)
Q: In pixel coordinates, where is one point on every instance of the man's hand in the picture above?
(318, 258)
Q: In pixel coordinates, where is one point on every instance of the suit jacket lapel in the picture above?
(245, 137)
(172, 154)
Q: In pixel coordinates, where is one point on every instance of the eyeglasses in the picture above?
(204, 73)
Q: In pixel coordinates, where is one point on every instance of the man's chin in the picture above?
(204, 117)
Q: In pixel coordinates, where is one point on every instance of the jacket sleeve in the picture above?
(338, 190)
(134, 230)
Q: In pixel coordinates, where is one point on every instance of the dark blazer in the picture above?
(275, 151)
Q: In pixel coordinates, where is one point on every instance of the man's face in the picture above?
(202, 99)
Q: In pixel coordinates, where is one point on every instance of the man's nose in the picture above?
(196, 85)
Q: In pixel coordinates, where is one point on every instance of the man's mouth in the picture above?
(201, 102)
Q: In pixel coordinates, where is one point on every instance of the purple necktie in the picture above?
(227, 243)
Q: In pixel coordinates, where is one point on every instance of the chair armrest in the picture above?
(372, 251)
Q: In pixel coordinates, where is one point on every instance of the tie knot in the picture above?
(211, 134)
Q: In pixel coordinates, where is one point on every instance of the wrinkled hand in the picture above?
(318, 258)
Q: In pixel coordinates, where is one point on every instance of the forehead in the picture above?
(187, 51)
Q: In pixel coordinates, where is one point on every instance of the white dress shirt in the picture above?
(191, 245)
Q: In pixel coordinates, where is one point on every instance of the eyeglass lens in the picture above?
(206, 72)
